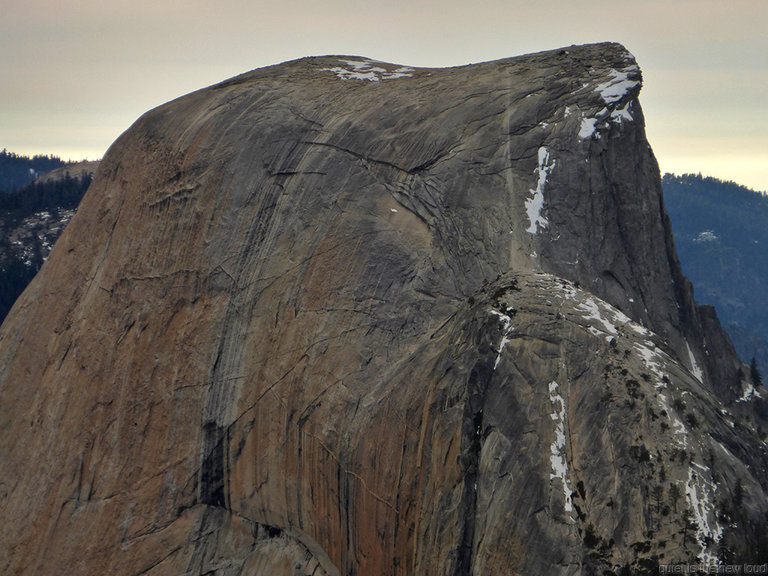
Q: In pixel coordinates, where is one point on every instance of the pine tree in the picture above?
(674, 495)
(757, 378)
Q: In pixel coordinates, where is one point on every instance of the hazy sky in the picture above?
(74, 74)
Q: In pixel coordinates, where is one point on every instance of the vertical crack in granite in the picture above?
(471, 445)
(212, 471)
(226, 377)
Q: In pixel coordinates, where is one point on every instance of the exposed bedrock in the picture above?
(340, 317)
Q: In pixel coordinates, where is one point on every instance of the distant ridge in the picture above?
(73, 170)
(16, 170)
(721, 236)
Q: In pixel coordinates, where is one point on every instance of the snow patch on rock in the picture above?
(619, 84)
(699, 495)
(652, 359)
(592, 311)
(588, 126)
(506, 321)
(557, 457)
(535, 204)
(365, 70)
(695, 368)
(749, 393)
(619, 115)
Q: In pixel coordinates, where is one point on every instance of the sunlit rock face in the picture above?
(339, 316)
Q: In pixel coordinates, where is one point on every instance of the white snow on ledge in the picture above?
(695, 368)
(620, 115)
(590, 126)
(699, 494)
(506, 321)
(535, 204)
(587, 128)
(618, 86)
(364, 70)
(749, 393)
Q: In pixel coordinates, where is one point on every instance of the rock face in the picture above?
(338, 316)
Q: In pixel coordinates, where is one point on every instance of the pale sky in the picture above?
(75, 74)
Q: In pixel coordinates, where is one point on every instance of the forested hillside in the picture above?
(31, 219)
(17, 170)
(721, 235)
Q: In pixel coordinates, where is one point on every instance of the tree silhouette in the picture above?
(757, 378)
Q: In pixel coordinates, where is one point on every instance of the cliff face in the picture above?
(338, 316)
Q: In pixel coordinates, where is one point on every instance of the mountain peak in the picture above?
(339, 316)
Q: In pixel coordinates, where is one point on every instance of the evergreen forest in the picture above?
(17, 170)
(36, 212)
(721, 236)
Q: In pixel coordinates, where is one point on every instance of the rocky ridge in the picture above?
(77, 170)
(339, 316)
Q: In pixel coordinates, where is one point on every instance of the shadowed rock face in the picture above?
(338, 316)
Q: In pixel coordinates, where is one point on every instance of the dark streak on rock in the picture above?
(471, 445)
(212, 471)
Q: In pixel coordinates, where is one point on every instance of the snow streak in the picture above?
(507, 322)
(558, 451)
(535, 204)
